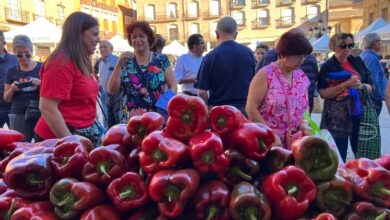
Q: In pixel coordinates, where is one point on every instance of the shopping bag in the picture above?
(369, 141)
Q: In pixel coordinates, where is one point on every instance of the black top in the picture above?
(7, 62)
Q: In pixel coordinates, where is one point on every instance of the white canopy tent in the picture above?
(39, 31)
(175, 48)
(321, 44)
(372, 28)
(253, 45)
(120, 44)
(384, 32)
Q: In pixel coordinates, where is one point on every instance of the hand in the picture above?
(305, 127)
(14, 86)
(277, 141)
(353, 82)
(35, 82)
(124, 57)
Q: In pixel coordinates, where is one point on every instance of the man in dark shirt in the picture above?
(6, 61)
(226, 72)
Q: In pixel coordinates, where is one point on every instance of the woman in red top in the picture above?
(68, 88)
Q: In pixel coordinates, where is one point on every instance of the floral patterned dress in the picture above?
(141, 90)
(274, 106)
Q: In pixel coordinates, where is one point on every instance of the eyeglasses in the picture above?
(299, 57)
(27, 55)
(344, 46)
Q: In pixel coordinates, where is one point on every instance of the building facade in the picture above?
(374, 9)
(346, 16)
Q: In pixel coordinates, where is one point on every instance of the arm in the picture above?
(114, 83)
(334, 91)
(203, 94)
(179, 73)
(9, 90)
(387, 97)
(53, 117)
(170, 79)
(257, 90)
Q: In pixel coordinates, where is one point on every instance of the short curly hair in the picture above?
(292, 43)
(145, 27)
(335, 39)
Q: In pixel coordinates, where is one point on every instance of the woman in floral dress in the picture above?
(141, 78)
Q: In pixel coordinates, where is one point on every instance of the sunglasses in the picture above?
(27, 55)
(344, 46)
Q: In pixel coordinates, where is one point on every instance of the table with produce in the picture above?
(206, 165)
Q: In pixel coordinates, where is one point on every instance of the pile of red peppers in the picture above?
(205, 165)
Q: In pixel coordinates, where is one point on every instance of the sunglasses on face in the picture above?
(344, 46)
(27, 55)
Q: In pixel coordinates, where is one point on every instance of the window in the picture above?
(262, 17)
(215, 7)
(14, 10)
(114, 26)
(370, 18)
(105, 25)
(171, 10)
(213, 28)
(337, 28)
(193, 9)
(312, 11)
(61, 12)
(239, 2)
(173, 32)
(194, 28)
(39, 8)
(239, 17)
(287, 15)
(385, 14)
(150, 12)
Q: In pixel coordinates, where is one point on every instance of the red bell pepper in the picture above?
(207, 153)
(365, 210)
(248, 203)
(133, 160)
(224, 119)
(325, 216)
(83, 140)
(118, 134)
(140, 126)
(161, 152)
(277, 158)
(50, 143)
(384, 161)
(70, 197)
(35, 211)
(211, 201)
(9, 136)
(253, 139)
(30, 176)
(369, 180)
(3, 187)
(101, 212)
(290, 191)
(149, 212)
(103, 166)
(17, 149)
(121, 149)
(188, 116)
(128, 192)
(8, 205)
(171, 189)
(69, 159)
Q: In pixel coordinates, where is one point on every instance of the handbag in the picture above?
(369, 141)
(32, 110)
(94, 132)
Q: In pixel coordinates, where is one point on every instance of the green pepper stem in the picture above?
(104, 167)
(141, 129)
(262, 144)
(186, 117)
(380, 189)
(67, 201)
(65, 160)
(381, 216)
(384, 191)
(10, 210)
(235, 170)
(292, 189)
(34, 179)
(172, 192)
(208, 157)
(213, 211)
(251, 213)
(159, 155)
(127, 192)
(221, 121)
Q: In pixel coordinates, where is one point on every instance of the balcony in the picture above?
(305, 2)
(260, 3)
(310, 19)
(237, 4)
(285, 21)
(158, 18)
(284, 2)
(191, 16)
(17, 15)
(36, 16)
(99, 5)
(260, 23)
(211, 14)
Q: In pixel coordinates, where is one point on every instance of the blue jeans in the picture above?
(4, 119)
(26, 127)
(342, 142)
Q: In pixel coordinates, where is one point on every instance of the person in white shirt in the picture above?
(187, 65)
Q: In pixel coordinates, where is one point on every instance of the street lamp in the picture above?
(319, 30)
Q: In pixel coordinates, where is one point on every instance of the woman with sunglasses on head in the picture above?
(339, 73)
(22, 88)
(278, 93)
(69, 88)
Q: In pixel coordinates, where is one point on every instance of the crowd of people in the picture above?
(274, 86)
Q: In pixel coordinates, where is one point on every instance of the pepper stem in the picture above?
(208, 157)
(159, 155)
(221, 121)
(172, 192)
(141, 129)
(379, 188)
(186, 117)
(291, 189)
(127, 192)
(10, 210)
(262, 144)
(213, 211)
(235, 170)
(381, 216)
(251, 213)
(68, 200)
(34, 179)
(104, 167)
(65, 160)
